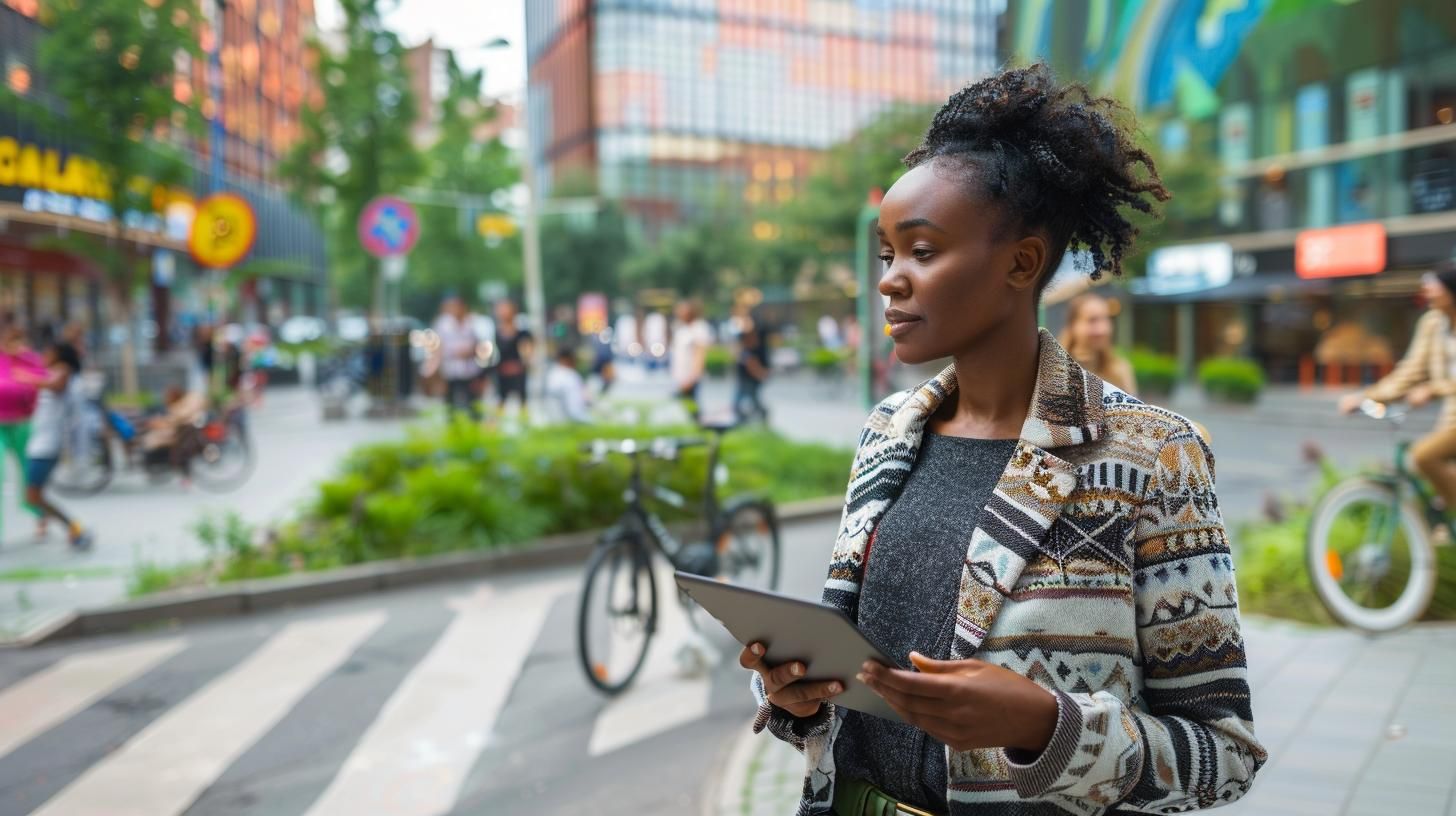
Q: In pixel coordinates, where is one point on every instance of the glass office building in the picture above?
(676, 106)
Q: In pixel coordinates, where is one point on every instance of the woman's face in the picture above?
(1093, 329)
(1435, 293)
(950, 277)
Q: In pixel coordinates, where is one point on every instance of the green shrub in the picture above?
(462, 487)
(1274, 580)
(1156, 373)
(826, 361)
(717, 360)
(1231, 378)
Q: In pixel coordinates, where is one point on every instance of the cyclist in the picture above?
(1424, 373)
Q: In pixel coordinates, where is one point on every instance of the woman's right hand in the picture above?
(783, 683)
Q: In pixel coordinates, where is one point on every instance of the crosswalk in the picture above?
(356, 710)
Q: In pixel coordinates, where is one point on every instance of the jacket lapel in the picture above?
(1066, 410)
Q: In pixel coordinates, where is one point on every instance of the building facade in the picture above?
(250, 97)
(1328, 130)
(674, 107)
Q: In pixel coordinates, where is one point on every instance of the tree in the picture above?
(107, 68)
(693, 260)
(467, 176)
(584, 253)
(356, 144)
(821, 220)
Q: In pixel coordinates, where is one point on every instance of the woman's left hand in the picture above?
(967, 704)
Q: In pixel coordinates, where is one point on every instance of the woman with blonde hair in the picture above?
(1087, 337)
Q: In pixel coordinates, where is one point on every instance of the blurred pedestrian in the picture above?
(20, 369)
(1037, 557)
(458, 365)
(513, 346)
(752, 371)
(565, 389)
(690, 340)
(1087, 336)
(604, 363)
(1424, 373)
(829, 336)
(47, 435)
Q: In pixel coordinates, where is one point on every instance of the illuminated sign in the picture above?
(1337, 252)
(51, 180)
(1177, 270)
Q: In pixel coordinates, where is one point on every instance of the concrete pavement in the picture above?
(137, 522)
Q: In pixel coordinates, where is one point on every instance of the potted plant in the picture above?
(1231, 379)
(717, 361)
(1156, 374)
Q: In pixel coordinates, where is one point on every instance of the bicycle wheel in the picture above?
(618, 613)
(223, 457)
(84, 472)
(1370, 556)
(748, 546)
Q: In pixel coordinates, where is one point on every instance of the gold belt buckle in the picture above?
(901, 807)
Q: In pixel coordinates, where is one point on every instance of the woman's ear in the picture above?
(1028, 260)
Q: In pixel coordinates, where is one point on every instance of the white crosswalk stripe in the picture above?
(50, 696)
(660, 699)
(164, 768)
(417, 753)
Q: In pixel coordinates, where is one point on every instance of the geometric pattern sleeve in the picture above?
(793, 730)
(1190, 743)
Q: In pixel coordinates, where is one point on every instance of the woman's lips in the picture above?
(900, 322)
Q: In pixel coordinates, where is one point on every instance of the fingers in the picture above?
(752, 657)
(798, 694)
(916, 684)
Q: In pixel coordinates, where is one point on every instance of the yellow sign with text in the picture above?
(495, 225)
(223, 231)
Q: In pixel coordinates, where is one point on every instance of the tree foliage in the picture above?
(356, 145)
(474, 175)
(584, 252)
(107, 69)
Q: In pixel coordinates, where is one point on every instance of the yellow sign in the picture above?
(495, 225)
(223, 230)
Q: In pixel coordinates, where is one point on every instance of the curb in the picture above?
(244, 597)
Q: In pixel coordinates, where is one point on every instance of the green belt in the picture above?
(854, 797)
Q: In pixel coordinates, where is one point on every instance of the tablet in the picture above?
(823, 638)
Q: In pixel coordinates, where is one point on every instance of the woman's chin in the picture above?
(909, 354)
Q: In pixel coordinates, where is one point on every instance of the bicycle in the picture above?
(1370, 550)
(217, 450)
(619, 591)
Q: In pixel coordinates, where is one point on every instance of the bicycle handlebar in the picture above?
(1380, 410)
(663, 447)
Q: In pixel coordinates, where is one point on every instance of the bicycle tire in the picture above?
(759, 515)
(612, 553)
(238, 442)
(101, 477)
(1327, 566)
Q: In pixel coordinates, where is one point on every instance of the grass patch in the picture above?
(57, 573)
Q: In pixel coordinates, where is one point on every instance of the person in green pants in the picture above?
(20, 368)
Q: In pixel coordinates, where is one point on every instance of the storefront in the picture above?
(1341, 315)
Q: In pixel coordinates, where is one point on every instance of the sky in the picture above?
(462, 26)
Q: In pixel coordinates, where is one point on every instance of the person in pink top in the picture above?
(20, 369)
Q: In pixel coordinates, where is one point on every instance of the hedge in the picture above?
(1231, 378)
(462, 487)
(1156, 373)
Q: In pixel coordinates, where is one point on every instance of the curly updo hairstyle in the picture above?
(1052, 157)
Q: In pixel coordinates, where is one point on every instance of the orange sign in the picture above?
(1338, 252)
(223, 231)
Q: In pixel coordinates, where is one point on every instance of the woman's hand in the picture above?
(1420, 395)
(782, 683)
(967, 704)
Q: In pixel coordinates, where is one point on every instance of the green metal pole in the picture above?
(868, 327)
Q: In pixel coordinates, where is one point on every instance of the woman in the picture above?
(47, 436)
(1088, 339)
(1046, 551)
(20, 369)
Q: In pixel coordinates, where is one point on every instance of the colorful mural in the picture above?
(1149, 53)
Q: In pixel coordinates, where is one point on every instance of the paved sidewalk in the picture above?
(138, 523)
(1354, 726)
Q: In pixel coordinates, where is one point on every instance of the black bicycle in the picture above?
(618, 613)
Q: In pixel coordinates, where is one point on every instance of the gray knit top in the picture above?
(907, 602)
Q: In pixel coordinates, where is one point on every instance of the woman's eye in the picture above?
(887, 259)
(921, 253)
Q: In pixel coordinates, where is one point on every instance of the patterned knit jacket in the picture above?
(1101, 571)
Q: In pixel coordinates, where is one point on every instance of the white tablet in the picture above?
(821, 637)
